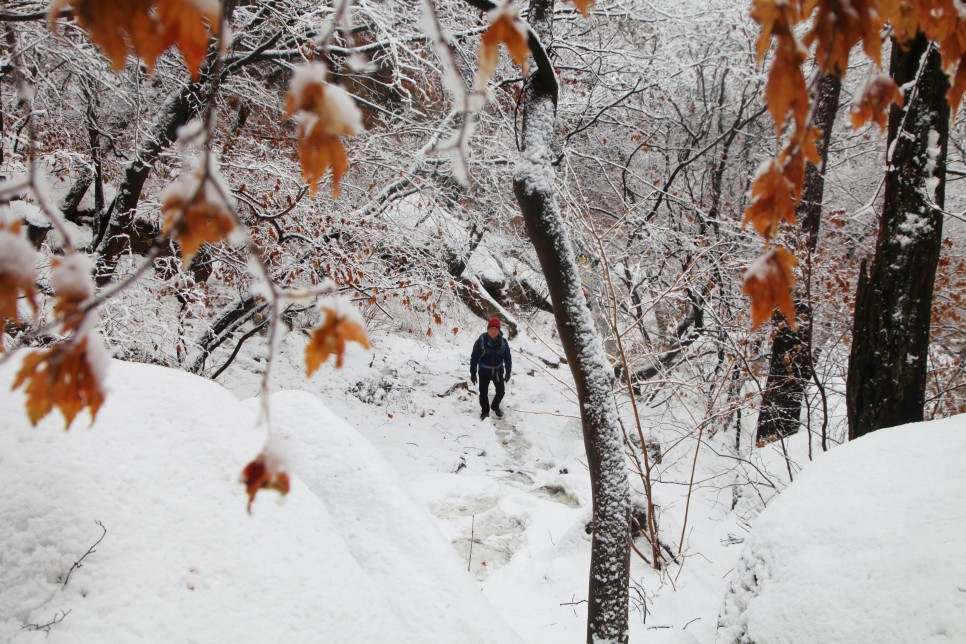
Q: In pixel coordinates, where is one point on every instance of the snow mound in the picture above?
(346, 557)
(865, 546)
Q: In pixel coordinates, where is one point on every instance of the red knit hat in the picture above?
(493, 322)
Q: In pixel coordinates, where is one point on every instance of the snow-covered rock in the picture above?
(346, 557)
(866, 545)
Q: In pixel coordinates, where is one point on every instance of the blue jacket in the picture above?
(491, 353)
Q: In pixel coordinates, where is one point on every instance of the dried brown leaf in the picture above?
(70, 277)
(902, 16)
(16, 275)
(773, 201)
(258, 475)
(330, 339)
(149, 27)
(785, 91)
(61, 377)
(777, 18)
(880, 92)
(504, 28)
(195, 223)
(838, 25)
(584, 6)
(802, 147)
(957, 87)
(318, 153)
(326, 113)
(769, 283)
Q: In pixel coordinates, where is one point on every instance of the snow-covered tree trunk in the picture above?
(119, 230)
(887, 368)
(533, 185)
(781, 401)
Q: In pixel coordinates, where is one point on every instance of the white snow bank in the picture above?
(865, 546)
(347, 557)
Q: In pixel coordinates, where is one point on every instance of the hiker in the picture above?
(492, 354)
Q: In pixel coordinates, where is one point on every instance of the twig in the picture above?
(46, 627)
(576, 603)
(469, 563)
(90, 551)
(255, 329)
(639, 553)
(687, 505)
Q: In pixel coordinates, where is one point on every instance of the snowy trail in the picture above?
(515, 488)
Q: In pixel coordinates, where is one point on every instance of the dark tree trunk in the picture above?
(781, 401)
(94, 139)
(223, 327)
(887, 368)
(120, 231)
(533, 185)
(76, 193)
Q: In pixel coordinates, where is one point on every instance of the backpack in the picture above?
(490, 351)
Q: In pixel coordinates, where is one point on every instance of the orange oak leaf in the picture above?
(17, 259)
(65, 377)
(958, 86)
(903, 18)
(769, 283)
(773, 200)
(258, 475)
(938, 20)
(879, 93)
(776, 17)
(195, 222)
(149, 27)
(802, 147)
(838, 26)
(319, 152)
(325, 113)
(188, 24)
(584, 6)
(504, 27)
(785, 91)
(340, 327)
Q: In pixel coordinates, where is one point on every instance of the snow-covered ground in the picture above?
(409, 518)
(867, 546)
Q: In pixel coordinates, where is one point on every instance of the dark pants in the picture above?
(486, 375)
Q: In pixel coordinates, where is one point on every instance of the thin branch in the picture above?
(90, 551)
(46, 627)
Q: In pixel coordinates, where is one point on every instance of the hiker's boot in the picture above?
(498, 412)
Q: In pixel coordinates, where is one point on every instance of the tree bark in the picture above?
(120, 230)
(76, 193)
(789, 370)
(533, 185)
(887, 367)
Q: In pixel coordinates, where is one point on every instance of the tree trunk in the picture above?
(887, 368)
(119, 229)
(533, 185)
(76, 193)
(781, 401)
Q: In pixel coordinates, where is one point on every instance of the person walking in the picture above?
(491, 354)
